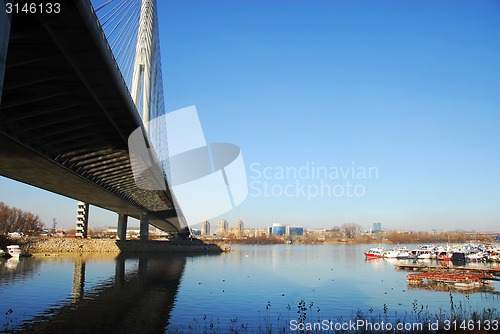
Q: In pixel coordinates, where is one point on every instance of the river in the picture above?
(250, 289)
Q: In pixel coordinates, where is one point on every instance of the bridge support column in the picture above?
(82, 220)
(121, 230)
(144, 228)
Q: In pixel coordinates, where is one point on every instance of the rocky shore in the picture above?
(71, 245)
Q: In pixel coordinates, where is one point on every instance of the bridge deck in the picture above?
(66, 115)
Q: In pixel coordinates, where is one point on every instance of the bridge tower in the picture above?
(143, 86)
(143, 64)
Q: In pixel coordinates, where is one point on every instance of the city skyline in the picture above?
(335, 90)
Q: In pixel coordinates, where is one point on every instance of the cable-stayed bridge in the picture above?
(74, 85)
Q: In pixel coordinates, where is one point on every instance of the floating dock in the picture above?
(443, 281)
(424, 268)
(454, 278)
(450, 277)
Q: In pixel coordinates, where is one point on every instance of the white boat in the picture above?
(14, 250)
(397, 253)
(494, 256)
(403, 253)
(375, 253)
(475, 257)
(391, 254)
(424, 254)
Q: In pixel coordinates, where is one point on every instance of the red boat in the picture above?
(375, 253)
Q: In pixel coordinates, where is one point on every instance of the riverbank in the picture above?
(328, 237)
(72, 245)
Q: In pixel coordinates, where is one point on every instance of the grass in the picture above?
(307, 318)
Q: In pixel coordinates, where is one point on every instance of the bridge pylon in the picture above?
(143, 75)
(144, 56)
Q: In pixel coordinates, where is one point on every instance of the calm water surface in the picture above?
(254, 286)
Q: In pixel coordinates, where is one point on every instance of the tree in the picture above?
(17, 220)
(350, 230)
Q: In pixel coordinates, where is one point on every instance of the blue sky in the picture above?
(408, 87)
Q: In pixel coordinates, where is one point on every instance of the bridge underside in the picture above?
(66, 114)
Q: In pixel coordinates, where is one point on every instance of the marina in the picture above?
(460, 268)
(455, 253)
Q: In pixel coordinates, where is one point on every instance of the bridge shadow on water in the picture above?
(137, 300)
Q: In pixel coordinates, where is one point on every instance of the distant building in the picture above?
(205, 228)
(240, 227)
(294, 230)
(278, 229)
(377, 227)
(222, 228)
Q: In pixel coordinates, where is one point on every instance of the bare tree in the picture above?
(17, 220)
(350, 230)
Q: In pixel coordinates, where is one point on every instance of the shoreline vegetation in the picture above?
(328, 238)
(307, 318)
(47, 245)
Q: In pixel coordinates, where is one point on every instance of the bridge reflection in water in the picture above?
(138, 300)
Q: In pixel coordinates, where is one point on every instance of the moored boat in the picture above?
(397, 253)
(14, 250)
(475, 257)
(494, 256)
(424, 254)
(444, 256)
(403, 253)
(391, 254)
(375, 253)
(458, 257)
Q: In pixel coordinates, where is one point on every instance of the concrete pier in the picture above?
(144, 228)
(122, 227)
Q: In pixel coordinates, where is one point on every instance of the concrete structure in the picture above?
(4, 44)
(278, 229)
(294, 230)
(240, 228)
(377, 227)
(82, 220)
(205, 228)
(141, 82)
(131, 231)
(222, 228)
(66, 114)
